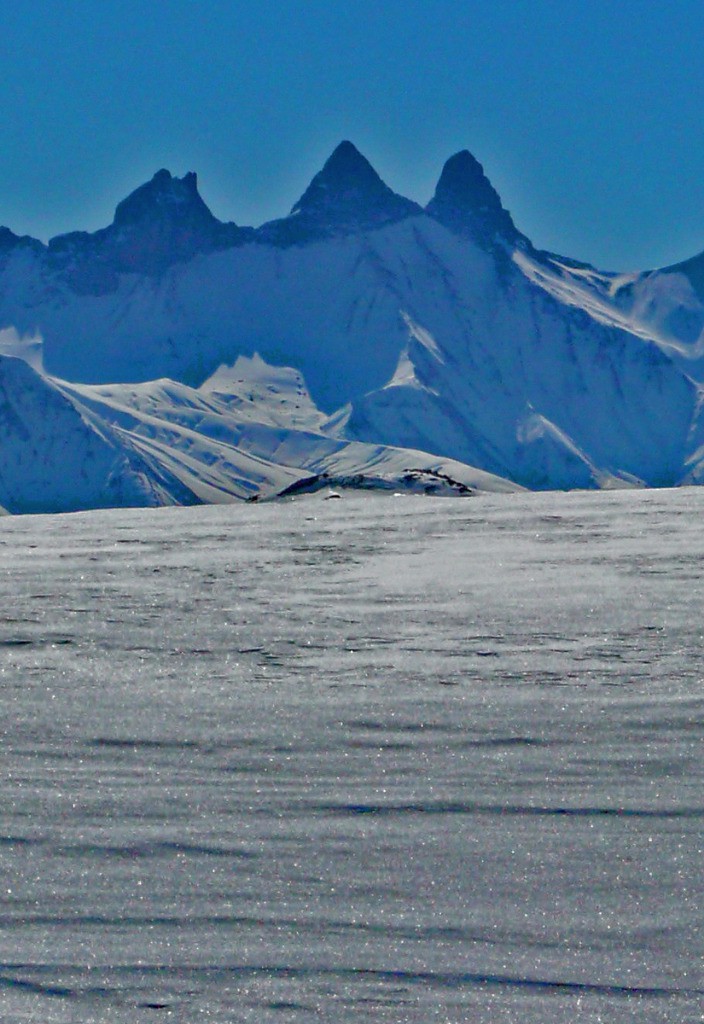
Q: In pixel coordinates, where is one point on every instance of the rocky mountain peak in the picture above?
(164, 197)
(465, 200)
(347, 180)
(164, 221)
(10, 241)
(346, 195)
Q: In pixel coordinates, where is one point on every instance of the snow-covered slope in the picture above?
(53, 458)
(250, 432)
(440, 330)
(665, 306)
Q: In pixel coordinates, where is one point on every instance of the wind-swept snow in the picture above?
(371, 760)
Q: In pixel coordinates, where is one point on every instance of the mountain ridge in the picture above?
(464, 199)
(439, 330)
(345, 196)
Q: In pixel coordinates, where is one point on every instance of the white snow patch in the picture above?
(28, 347)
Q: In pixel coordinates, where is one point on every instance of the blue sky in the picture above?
(587, 116)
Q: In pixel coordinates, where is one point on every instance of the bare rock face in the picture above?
(466, 201)
(163, 222)
(347, 195)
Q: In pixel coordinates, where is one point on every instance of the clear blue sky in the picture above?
(588, 116)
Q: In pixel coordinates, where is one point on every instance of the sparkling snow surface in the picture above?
(372, 759)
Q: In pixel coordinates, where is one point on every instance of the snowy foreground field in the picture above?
(377, 759)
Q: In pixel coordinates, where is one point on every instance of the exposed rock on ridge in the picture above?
(10, 241)
(163, 222)
(346, 195)
(466, 201)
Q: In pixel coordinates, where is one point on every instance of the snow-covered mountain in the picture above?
(250, 431)
(54, 459)
(665, 305)
(440, 329)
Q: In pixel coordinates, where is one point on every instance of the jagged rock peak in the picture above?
(346, 176)
(9, 241)
(163, 222)
(163, 195)
(464, 182)
(466, 200)
(349, 191)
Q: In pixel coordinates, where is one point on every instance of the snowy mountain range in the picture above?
(363, 340)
